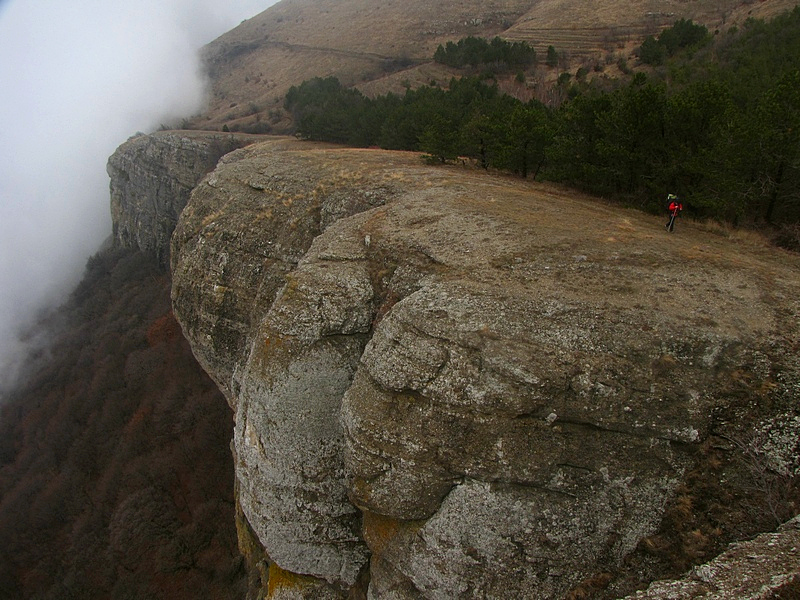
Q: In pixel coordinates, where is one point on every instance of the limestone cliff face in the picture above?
(248, 226)
(452, 385)
(151, 179)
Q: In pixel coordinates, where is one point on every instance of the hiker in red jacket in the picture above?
(675, 207)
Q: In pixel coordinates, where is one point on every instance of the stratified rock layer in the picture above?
(247, 227)
(151, 179)
(470, 386)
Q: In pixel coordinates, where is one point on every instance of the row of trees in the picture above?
(731, 162)
(722, 130)
(473, 52)
(684, 34)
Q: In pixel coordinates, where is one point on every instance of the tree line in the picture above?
(683, 34)
(718, 124)
(474, 52)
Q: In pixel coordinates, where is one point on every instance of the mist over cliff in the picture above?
(78, 80)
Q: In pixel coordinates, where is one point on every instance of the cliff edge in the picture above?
(447, 383)
(151, 177)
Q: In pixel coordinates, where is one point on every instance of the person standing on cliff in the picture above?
(675, 207)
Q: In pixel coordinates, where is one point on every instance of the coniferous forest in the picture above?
(714, 119)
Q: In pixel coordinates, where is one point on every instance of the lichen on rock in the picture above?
(428, 385)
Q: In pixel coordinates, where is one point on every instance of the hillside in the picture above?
(115, 473)
(452, 384)
(616, 25)
(383, 46)
(399, 380)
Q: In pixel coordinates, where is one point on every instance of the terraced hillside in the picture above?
(385, 45)
(253, 65)
(608, 25)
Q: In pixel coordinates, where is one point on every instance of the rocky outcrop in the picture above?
(453, 385)
(765, 568)
(249, 224)
(151, 179)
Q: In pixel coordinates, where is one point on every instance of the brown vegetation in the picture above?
(115, 475)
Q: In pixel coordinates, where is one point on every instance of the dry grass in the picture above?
(383, 46)
(750, 237)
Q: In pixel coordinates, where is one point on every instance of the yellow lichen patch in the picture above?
(250, 547)
(272, 343)
(271, 346)
(379, 530)
(280, 579)
(291, 288)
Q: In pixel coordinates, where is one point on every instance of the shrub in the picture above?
(788, 237)
(683, 34)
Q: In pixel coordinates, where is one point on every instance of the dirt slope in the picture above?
(379, 45)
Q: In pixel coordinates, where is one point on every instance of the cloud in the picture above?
(78, 79)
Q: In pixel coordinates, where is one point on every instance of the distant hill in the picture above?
(386, 45)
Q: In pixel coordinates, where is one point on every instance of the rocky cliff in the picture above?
(448, 384)
(761, 569)
(151, 179)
